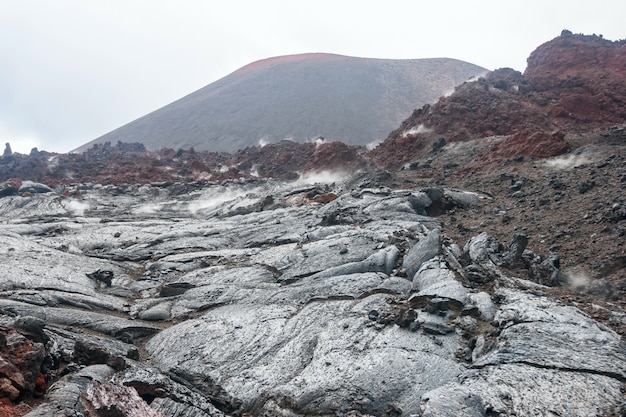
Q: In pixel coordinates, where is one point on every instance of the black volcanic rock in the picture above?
(299, 97)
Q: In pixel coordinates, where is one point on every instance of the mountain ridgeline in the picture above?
(300, 97)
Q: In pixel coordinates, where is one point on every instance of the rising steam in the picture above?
(568, 162)
(322, 177)
(77, 207)
(577, 279)
(416, 130)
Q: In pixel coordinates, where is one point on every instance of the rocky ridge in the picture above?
(573, 84)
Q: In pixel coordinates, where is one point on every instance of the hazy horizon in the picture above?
(75, 71)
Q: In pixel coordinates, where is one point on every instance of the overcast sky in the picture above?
(73, 70)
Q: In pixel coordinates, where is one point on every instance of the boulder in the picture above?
(63, 397)
(178, 394)
(435, 280)
(34, 188)
(21, 363)
(106, 399)
(424, 250)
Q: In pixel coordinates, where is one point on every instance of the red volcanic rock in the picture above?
(335, 156)
(326, 198)
(534, 144)
(7, 409)
(489, 106)
(582, 77)
(537, 144)
(198, 166)
(397, 150)
(569, 57)
(124, 163)
(10, 187)
(277, 160)
(574, 83)
(21, 360)
(167, 153)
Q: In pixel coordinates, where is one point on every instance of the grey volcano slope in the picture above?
(299, 97)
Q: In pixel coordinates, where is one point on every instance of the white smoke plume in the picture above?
(577, 279)
(147, 209)
(449, 92)
(373, 144)
(215, 197)
(322, 177)
(568, 162)
(416, 130)
(76, 207)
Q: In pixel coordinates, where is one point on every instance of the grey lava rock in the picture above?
(34, 188)
(255, 297)
(547, 359)
(425, 249)
(63, 397)
(105, 399)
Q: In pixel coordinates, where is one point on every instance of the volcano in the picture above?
(298, 97)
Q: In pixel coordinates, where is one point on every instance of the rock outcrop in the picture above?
(573, 83)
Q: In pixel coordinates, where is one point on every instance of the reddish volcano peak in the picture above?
(571, 54)
(317, 57)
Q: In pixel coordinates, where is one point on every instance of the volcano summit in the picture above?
(299, 97)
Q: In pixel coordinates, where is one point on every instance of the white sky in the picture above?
(73, 70)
